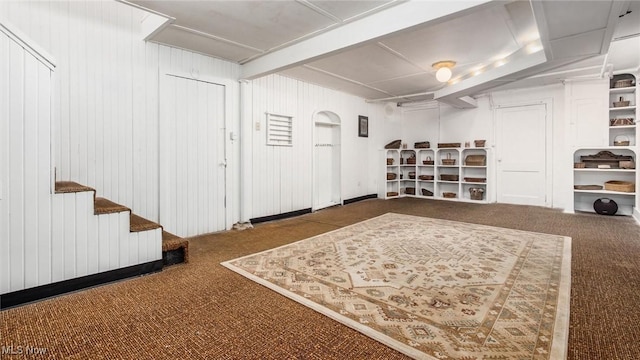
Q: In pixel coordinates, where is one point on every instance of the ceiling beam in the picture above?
(393, 20)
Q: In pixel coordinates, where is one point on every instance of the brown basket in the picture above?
(426, 192)
(428, 161)
(476, 193)
(391, 176)
(579, 165)
(395, 144)
(621, 140)
(449, 195)
(587, 187)
(627, 164)
(621, 102)
(448, 160)
(479, 143)
(448, 145)
(389, 161)
(391, 193)
(622, 186)
(422, 145)
(412, 175)
(410, 191)
(475, 180)
(449, 177)
(623, 83)
(621, 122)
(475, 160)
(411, 161)
(426, 177)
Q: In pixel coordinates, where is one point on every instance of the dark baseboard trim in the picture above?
(360, 198)
(25, 296)
(280, 216)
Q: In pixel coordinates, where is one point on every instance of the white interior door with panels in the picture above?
(326, 160)
(192, 156)
(522, 155)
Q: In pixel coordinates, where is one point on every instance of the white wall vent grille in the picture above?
(279, 130)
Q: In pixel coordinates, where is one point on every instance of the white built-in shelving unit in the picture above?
(419, 173)
(627, 202)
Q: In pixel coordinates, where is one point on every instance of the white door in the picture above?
(521, 155)
(327, 188)
(192, 156)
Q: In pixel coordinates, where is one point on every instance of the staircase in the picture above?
(174, 249)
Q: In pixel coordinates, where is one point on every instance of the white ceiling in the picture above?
(385, 49)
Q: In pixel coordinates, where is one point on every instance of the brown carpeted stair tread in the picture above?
(171, 242)
(106, 206)
(138, 223)
(70, 187)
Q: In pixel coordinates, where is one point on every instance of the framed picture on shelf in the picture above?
(363, 126)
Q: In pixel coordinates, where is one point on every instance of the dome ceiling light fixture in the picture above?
(443, 70)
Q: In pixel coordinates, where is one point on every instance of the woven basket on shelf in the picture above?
(479, 143)
(412, 175)
(475, 179)
(621, 140)
(622, 186)
(390, 161)
(395, 144)
(621, 103)
(448, 161)
(422, 145)
(476, 193)
(449, 145)
(579, 165)
(449, 177)
(410, 191)
(426, 192)
(623, 83)
(427, 161)
(391, 176)
(411, 161)
(426, 177)
(449, 195)
(392, 193)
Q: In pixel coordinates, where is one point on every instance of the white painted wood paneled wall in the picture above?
(25, 166)
(282, 175)
(46, 237)
(105, 97)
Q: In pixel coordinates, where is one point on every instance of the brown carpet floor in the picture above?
(201, 310)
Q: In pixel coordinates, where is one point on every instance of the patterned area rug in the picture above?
(432, 289)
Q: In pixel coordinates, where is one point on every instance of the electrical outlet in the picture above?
(257, 125)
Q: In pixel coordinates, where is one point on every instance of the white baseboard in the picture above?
(636, 215)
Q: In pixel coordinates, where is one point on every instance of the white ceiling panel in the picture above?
(566, 18)
(378, 49)
(476, 38)
(367, 64)
(259, 24)
(409, 84)
(347, 9)
(180, 38)
(625, 54)
(319, 78)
